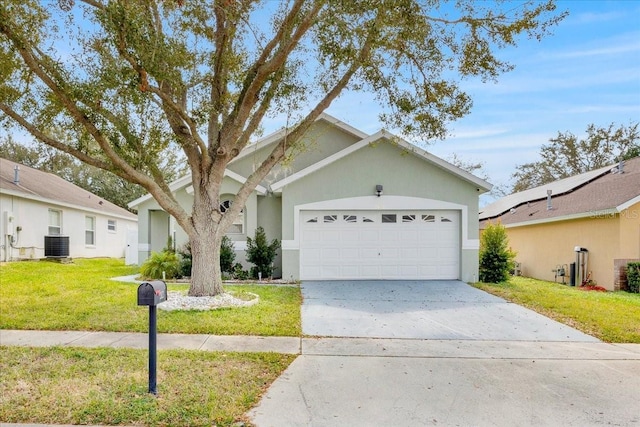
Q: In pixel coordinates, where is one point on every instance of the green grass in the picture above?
(110, 386)
(81, 296)
(610, 316)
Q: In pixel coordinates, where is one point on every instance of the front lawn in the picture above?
(80, 296)
(109, 386)
(610, 316)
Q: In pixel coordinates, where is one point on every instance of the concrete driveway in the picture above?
(440, 310)
(442, 353)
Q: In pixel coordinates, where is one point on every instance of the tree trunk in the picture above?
(206, 276)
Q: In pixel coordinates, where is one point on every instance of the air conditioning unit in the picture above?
(56, 246)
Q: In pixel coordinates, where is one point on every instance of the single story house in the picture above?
(45, 216)
(591, 220)
(348, 206)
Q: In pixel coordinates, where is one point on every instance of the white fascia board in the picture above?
(236, 177)
(592, 214)
(276, 136)
(174, 186)
(628, 203)
(276, 187)
(482, 184)
(53, 202)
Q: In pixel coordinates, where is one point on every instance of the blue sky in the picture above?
(587, 72)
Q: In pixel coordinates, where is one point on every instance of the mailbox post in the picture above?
(152, 294)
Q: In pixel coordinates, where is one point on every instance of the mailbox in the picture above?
(152, 293)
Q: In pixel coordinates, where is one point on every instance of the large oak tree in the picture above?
(123, 79)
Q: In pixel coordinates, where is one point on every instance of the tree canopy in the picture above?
(568, 155)
(114, 83)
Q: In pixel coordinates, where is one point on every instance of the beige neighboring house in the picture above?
(592, 220)
(42, 215)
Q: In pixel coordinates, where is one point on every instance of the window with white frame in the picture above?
(112, 225)
(238, 223)
(90, 230)
(55, 222)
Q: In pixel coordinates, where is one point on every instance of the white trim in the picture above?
(236, 177)
(482, 184)
(373, 203)
(57, 203)
(592, 214)
(275, 136)
(628, 203)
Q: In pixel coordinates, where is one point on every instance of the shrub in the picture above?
(160, 262)
(496, 259)
(184, 254)
(261, 254)
(633, 277)
(239, 273)
(227, 255)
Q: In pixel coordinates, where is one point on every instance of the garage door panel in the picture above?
(359, 245)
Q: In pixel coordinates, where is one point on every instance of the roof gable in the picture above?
(42, 186)
(278, 135)
(185, 182)
(380, 137)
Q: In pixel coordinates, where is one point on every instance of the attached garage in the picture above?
(394, 244)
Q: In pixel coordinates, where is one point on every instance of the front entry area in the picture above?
(394, 244)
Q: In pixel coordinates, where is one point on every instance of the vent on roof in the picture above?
(16, 175)
(549, 207)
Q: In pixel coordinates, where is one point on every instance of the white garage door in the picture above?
(379, 245)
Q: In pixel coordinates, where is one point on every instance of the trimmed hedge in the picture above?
(633, 277)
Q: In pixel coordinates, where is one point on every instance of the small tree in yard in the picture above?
(496, 259)
(261, 253)
(227, 255)
(633, 277)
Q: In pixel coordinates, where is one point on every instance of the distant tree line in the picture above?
(567, 155)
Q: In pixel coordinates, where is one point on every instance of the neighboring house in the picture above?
(592, 220)
(45, 216)
(348, 206)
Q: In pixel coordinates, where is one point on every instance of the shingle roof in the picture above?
(590, 193)
(39, 185)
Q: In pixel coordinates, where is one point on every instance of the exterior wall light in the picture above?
(379, 190)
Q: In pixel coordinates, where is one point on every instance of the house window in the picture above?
(314, 219)
(350, 218)
(111, 225)
(408, 218)
(366, 219)
(89, 230)
(238, 224)
(428, 218)
(388, 218)
(444, 219)
(55, 222)
(330, 218)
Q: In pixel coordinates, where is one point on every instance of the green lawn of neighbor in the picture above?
(610, 316)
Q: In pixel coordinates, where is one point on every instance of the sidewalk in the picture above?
(285, 345)
(369, 347)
